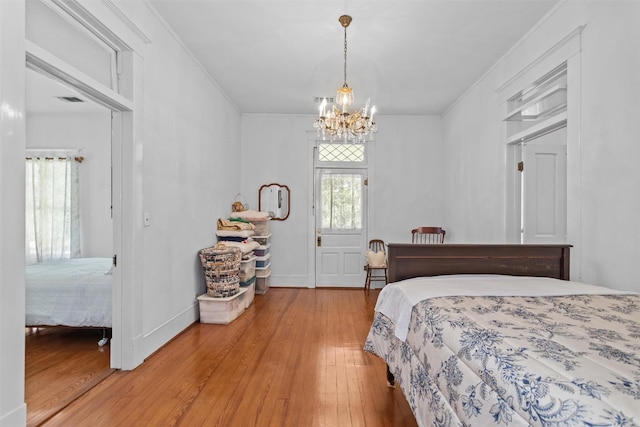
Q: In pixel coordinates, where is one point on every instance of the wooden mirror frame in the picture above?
(282, 200)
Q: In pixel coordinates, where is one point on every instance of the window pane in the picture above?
(341, 153)
(534, 109)
(341, 201)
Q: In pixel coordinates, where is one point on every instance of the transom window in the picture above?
(341, 153)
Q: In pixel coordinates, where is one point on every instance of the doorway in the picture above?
(341, 206)
(537, 138)
(101, 68)
(63, 362)
(340, 227)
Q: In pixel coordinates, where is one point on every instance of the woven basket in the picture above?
(221, 267)
(239, 204)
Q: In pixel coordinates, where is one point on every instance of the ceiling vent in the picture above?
(69, 99)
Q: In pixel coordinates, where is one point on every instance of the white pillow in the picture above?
(376, 259)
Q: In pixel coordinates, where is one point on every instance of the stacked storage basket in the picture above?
(237, 232)
(248, 277)
(221, 267)
(263, 255)
(224, 300)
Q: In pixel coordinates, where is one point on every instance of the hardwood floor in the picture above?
(294, 358)
(60, 365)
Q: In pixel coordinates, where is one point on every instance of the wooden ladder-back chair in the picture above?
(376, 261)
(427, 235)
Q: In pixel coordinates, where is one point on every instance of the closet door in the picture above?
(545, 191)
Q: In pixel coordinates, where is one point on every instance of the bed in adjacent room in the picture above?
(497, 335)
(69, 292)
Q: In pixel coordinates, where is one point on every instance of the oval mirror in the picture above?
(276, 199)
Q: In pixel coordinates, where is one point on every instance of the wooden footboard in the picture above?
(411, 260)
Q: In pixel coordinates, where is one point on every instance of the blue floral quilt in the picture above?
(522, 361)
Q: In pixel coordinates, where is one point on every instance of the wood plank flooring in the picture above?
(293, 358)
(61, 364)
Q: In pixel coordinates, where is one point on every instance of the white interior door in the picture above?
(341, 201)
(545, 191)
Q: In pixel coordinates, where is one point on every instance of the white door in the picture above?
(544, 210)
(341, 201)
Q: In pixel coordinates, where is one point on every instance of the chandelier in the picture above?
(335, 122)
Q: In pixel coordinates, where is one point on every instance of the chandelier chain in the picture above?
(345, 56)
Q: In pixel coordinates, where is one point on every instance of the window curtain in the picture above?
(52, 208)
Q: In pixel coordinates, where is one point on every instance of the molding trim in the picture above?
(503, 57)
(198, 64)
(40, 60)
(290, 281)
(17, 417)
(156, 338)
(565, 41)
(86, 20)
(126, 21)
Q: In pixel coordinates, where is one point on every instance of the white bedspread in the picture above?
(396, 300)
(71, 292)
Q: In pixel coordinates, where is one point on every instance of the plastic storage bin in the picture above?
(262, 261)
(262, 284)
(250, 291)
(262, 250)
(221, 310)
(263, 240)
(261, 226)
(264, 271)
(247, 269)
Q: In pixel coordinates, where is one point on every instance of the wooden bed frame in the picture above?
(411, 260)
(414, 260)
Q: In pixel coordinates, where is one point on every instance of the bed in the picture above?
(480, 335)
(69, 292)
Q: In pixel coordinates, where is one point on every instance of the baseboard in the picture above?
(155, 339)
(17, 417)
(304, 281)
(290, 281)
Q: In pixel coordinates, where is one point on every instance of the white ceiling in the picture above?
(408, 56)
(269, 56)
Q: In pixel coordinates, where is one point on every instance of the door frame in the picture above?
(50, 68)
(363, 171)
(126, 163)
(567, 49)
(312, 140)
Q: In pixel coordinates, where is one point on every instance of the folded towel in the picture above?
(249, 214)
(225, 224)
(246, 246)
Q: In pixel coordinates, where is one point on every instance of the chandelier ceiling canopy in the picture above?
(334, 120)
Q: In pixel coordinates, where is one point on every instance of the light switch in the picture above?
(147, 220)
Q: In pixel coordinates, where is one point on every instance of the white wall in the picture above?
(12, 169)
(405, 183)
(186, 155)
(189, 177)
(406, 187)
(274, 148)
(91, 134)
(474, 155)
